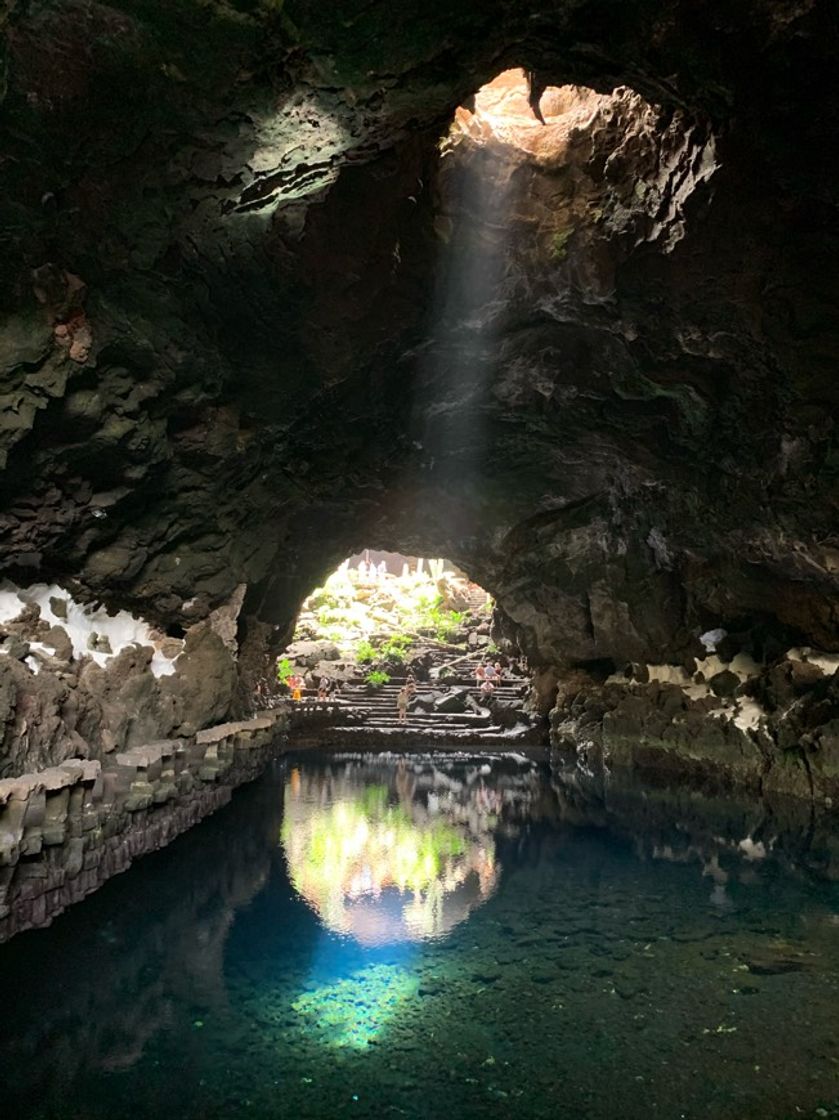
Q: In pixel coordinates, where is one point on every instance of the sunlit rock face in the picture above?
(306, 295)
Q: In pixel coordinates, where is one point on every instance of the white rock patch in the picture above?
(668, 674)
(749, 715)
(711, 638)
(751, 850)
(828, 663)
(120, 629)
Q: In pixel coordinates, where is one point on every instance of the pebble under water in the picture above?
(443, 937)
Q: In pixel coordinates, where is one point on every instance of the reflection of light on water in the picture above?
(352, 1011)
(381, 872)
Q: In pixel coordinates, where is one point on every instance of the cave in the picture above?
(548, 290)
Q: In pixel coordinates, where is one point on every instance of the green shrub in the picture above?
(377, 678)
(446, 622)
(429, 600)
(395, 648)
(364, 652)
(284, 670)
(559, 243)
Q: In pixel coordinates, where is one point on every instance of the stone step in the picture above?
(455, 719)
(389, 704)
(392, 690)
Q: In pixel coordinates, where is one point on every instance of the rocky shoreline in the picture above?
(726, 722)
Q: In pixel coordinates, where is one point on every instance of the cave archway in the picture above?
(390, 600)
(224, 371)
(497, 430)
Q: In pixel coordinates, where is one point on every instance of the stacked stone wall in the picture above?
(67, 829)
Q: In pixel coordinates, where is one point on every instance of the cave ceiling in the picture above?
(263, 302)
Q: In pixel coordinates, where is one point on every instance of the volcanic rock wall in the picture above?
(262, 305)
(78, 682)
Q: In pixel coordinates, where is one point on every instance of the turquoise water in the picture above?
(442, 937)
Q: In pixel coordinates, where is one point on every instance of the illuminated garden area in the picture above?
(394, 645)
(378, 611)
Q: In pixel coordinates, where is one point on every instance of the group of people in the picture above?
(296, 683)
(487, 676)
(370, 570)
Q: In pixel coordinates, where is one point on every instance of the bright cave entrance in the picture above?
(399, 644)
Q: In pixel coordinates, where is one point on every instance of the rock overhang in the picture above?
(258, 249)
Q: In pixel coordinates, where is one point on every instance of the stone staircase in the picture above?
(450, 710)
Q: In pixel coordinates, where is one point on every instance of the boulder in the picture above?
(335, 670)
(419, 664)
(15, 647)
(724, 684)
(308, 654)
(452, 701)
(58, 638)
(201, 690)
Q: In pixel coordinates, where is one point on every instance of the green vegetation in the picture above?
(377, 678)
(395, 648)
(559, 243)
(377, 621)
(284, 670)
(444, 623)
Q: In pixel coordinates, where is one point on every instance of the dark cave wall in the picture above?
(229, 357)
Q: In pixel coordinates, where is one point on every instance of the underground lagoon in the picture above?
(443, 936)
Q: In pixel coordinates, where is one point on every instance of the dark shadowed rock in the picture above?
(267, 316)
(201, 690)
(453, 701)
(725, 683)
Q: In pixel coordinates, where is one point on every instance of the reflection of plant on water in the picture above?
(390, 853)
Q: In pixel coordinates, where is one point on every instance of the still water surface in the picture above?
(442, 937)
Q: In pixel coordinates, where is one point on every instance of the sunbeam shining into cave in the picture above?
(473, 227)
(485, 222)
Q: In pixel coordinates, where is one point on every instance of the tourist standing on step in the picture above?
(489, 672)
(323, 688)
(480, 675)
(402, 699)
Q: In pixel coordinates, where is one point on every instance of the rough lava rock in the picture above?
(276, 285)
